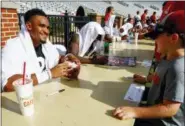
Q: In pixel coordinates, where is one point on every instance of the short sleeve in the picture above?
(174, 90)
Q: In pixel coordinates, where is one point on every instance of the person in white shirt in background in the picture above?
(137, 17)
(127, 18)
(126, 28)
(115, 28)
(32, 46)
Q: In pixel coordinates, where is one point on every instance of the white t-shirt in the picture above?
(138, 17)
(126, 28)
(109, 26)
(87, 35)
(139, 24)
(14, 54)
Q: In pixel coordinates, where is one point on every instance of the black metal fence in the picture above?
(62, 26)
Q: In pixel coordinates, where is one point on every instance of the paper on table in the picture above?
(147, 63)
(134, 93)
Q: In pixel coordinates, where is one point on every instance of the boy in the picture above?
(165, 104)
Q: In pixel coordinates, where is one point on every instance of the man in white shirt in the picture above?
(124, 30)
(86, 42)
(43, 61)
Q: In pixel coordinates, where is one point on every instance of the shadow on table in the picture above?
(110, 113)
(111, 93)
(79, 84)
(146, 43)
(140, 54)
(108, 92)
(10, 105)
(135, 70)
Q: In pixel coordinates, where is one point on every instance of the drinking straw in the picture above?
(24, 70)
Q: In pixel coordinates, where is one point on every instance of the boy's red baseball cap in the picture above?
(171, 6)
(172, 23)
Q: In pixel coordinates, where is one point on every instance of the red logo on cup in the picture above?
(27, 101)
(156, 79)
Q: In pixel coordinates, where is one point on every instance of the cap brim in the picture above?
(153, 34)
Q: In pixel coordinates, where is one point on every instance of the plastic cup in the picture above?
(25, 96)
(136, 38)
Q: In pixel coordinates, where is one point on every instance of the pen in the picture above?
(59, 91)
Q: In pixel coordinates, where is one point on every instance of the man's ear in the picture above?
(28, 26)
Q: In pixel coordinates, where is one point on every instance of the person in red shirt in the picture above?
(143, 17)
(108, 13)
(153, 17)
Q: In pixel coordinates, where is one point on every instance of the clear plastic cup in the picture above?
(136, 37)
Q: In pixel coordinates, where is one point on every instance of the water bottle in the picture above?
(102, 48)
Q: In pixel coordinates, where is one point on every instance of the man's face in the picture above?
(132, 21)
(112, 11)
(38, 28)
(163, 43)
(115, 23)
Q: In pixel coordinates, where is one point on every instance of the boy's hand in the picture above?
(124, 113)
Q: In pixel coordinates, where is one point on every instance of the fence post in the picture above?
(66, 29)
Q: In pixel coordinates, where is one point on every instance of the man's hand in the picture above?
(62, 59)
(61, 70)
(72, 58)
(139, 79)
(74, 72)
(124, 113)
(99, 60)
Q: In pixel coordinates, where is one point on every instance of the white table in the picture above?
(85, 102)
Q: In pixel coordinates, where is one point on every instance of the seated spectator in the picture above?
(153, 18)
(144, 17)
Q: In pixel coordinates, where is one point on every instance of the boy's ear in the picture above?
(28, 26)
(175, 37)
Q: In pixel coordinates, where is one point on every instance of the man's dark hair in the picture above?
(137, 12)
(33, 12)
(145, 11)
(154, 13)
(129, 19)
(109, 9)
